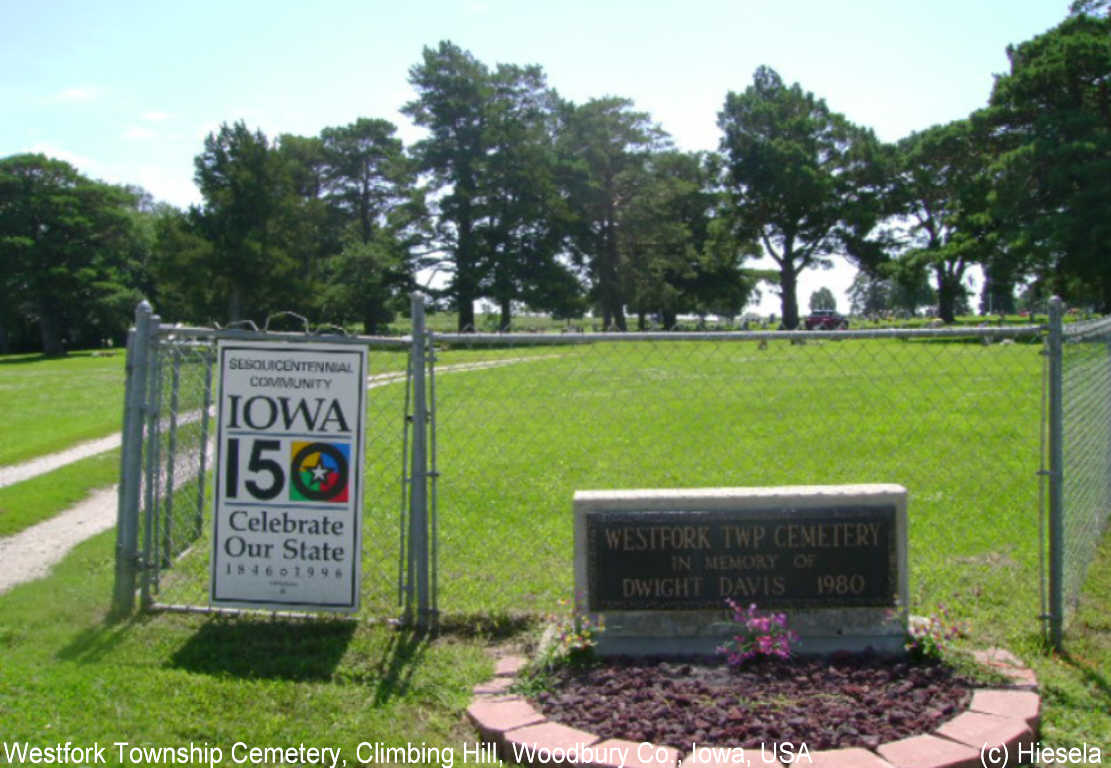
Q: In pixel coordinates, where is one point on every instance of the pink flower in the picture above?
(762, 635)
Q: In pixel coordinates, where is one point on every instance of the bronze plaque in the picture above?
(827, 557)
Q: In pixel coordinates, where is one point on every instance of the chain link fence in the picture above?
(507, 427)
(166, 490)
(952, 415)
(178, 454)
(1080, 424)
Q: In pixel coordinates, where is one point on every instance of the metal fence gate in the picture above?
(496, 431)
(165, 500)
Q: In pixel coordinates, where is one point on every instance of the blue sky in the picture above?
(127, 90)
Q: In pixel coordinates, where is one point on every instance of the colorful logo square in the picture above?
(319, 472)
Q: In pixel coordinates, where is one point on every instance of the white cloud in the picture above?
(155, 117)
(166, 184)
(80, 162)
(139, 133)
(77, 95)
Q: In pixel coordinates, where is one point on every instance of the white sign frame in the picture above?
(288, 484)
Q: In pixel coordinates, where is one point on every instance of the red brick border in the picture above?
(997, 719)
(929, 751)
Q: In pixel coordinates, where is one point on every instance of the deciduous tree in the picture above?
(525, 220)
(452, 91)
(604, 144)
(246, 187)
(822, 298)
(309, 229)
(1050, 122)
(370, 189)
(794, 173)
(676, 255)
(944, 186)
(65, 245)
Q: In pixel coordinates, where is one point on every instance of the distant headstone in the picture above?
(659, 565)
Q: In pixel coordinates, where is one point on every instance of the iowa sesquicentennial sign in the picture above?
(288, 498)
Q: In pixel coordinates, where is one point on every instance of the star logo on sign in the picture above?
(319, 472)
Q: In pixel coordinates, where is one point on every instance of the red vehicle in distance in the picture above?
(826, 320)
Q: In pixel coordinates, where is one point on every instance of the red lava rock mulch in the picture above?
(851, 702)
(860, 711)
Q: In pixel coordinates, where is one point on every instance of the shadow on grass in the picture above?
(285, 650)
(400, 658)
(971, 339)
(94, 643)
(487, 626)
(38, 357)
(404, 652)
(1091, 675)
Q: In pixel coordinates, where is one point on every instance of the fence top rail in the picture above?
(1085, 329)
(198, 333)
(187, 333)
(986, 332)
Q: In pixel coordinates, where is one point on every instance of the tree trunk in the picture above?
(50, 332)
(789, 301)
(947, 288)
(609, 289)
(669, 319)
(998, 296)
(1105, 294)
(364, 211)
(466, 283)
(619, 319)
(640, 319)
(506, 316)
(4, 345)
(370, 320)
(235, 304)
(464, 290)
(612, 308)
(619, 316)
(466, 313)
(613, 315)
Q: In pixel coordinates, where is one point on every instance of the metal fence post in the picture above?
(418, 477)
(198, 523)
(131, 453)
(1056, 474)
(171, 462)
(152, 456)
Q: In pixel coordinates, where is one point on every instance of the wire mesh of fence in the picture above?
(1085, 449)
(175, 524)
(953, 416)
(177, 454)
(520, 422)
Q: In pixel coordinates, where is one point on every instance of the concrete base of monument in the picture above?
(699, 633)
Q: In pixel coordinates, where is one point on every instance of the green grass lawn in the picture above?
(50, 404)
(956, 423)
(42, 497)
(172, 679)
(1076, 685)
